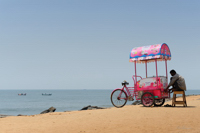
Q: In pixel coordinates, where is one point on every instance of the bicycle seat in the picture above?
(125, 83)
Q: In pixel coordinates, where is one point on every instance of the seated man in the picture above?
(177, 82)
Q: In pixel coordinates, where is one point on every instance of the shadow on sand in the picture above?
(169, 107)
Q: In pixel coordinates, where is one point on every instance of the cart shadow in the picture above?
(169, 107)
(176, 107)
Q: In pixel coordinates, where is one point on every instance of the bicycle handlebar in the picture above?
(125, 83)
(136, 76)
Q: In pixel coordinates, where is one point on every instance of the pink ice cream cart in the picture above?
(149, 90)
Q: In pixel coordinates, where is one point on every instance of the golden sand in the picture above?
(129, 119)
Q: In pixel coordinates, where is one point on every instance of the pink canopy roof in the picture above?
(150, 53)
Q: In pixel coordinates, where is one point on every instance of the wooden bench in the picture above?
(174, 102)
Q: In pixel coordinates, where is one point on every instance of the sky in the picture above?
(86, 44)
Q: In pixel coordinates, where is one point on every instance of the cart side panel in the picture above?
(147, 84)
(151, 85)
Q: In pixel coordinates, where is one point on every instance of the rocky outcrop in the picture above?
(51, 109)
(3, 116)
(21, 115)
(89, 107)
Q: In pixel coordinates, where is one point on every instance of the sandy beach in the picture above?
(131, 118)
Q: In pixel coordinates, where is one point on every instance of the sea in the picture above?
(63, 100)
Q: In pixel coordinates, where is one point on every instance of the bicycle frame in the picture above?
(129, 91)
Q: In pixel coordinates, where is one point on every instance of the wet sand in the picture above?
(131, 118)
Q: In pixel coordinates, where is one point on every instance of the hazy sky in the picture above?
(85, 44)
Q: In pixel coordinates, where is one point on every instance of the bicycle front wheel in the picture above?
(118, 98)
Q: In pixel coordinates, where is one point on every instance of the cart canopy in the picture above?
(159, 52)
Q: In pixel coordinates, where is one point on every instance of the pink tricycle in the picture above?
(150, 90)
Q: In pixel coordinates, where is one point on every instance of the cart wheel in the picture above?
(159, 102)
(118, 98)
(147, 99)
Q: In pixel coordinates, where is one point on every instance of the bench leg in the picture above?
(184, 99)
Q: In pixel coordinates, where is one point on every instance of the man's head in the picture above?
(172, 72)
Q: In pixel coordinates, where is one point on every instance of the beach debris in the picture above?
(51, 109)
(89, 107)
(167, 105)
(136, 103)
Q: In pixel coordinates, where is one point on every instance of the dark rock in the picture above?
(3, 116)
(51, 109)
(89, 107)
(67, 111)
(136, 103)
(21, 115)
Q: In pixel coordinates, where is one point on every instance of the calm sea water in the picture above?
(63, 100)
